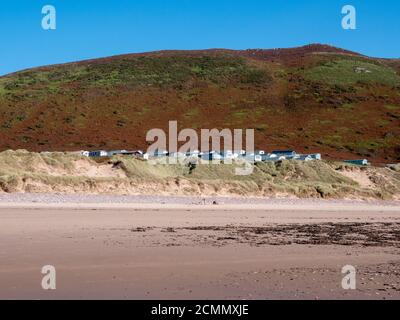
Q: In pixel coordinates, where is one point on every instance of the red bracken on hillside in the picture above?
(315, 98)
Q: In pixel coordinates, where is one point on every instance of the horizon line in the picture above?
(189, 50)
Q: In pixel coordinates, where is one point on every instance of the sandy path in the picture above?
(192, 252)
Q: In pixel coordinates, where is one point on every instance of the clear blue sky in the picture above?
(97, 28)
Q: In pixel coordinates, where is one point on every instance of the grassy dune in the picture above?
(22, 171)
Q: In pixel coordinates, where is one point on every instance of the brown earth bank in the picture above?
(27, 172)
(200, 252)
(315, 98)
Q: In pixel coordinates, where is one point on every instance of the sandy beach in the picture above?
(197, 248)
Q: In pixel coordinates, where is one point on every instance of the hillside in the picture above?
(315, 98)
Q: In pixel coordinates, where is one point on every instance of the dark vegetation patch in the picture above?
(360, 234)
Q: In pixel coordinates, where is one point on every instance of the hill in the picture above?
(316, 98)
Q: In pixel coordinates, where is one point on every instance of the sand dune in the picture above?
(22, 171)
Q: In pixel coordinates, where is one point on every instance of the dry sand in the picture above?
(182, 249)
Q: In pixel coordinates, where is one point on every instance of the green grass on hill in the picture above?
(343, 72)
(392, 107)
(144, 71)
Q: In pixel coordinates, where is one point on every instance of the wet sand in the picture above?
(292, 250)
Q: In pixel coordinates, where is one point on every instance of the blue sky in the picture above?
(97, 28)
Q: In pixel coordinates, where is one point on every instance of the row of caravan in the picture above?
(257, 156)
